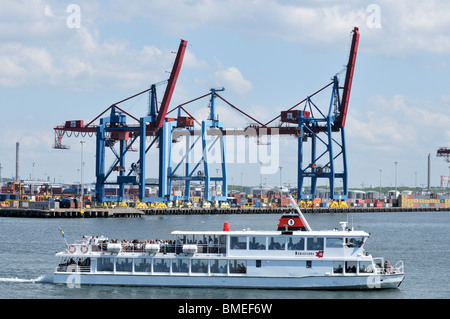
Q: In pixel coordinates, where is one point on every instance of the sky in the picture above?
(70, 60)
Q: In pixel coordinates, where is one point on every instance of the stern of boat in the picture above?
(386, 275)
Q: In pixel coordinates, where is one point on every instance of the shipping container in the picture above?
(292, 116)
(43, 205)
(184, 121)
(74, 124)
(120, 135)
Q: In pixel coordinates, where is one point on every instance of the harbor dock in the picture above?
(281, 210)
(71, 213)
(131, 212)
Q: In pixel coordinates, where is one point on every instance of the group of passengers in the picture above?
(96, 243)
(388, 268)
(101, 244)
(203, 246)
(71, 264)
(165, 246)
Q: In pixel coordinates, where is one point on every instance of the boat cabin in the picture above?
(228, 252)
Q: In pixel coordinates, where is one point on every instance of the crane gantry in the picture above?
(304, 121)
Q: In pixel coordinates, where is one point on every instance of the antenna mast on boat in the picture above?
(308, 228)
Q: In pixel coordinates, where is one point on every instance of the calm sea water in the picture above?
(27, 248)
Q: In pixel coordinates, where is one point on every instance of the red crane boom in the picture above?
(348, 78)
(171, 85)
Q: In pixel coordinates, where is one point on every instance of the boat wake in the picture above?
(41, 279)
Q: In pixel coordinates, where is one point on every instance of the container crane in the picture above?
(310, 122)
(322, 129)
(307, 123)
(114, 128)
(444, 152)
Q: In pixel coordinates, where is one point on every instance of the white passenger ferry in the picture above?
(291, 257)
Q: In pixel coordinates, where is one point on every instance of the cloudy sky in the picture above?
(70, 60)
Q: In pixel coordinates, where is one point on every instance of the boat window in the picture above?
(222, 244)
(179, 242)
(238, 266)
(181, 239)
(124, 264)
(201, 241)
(338, 267)
(161, 265)
(71, 265)
(365, 267)
(180, 265)
(277, 243)
(296, 243)
(199, 265)
(258, 263)
(64, 262)
(191, 239)
(142, 265)
(314, 243)
(350, 267)
(105, 264)
(354, 242)
(219, 266)
(213, 244)
(308, 264)
(334, 242)
(238, 242)
(257, 243)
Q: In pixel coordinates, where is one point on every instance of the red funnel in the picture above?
(226, 226)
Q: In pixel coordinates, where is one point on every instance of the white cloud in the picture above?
(399, 124)
(87, 63)
(21, 65)
(38, 50)
(407, 27)
(191, 61)
(232, 79)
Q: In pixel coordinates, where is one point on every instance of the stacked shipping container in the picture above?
(423, 201)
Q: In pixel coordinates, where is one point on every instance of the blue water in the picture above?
(28, 245)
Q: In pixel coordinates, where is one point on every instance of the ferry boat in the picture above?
(291, 257)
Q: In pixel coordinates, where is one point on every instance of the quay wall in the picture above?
(281, 210)
(128, 212)
(70, 213)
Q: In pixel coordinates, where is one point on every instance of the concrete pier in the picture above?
(131, 212)
(212, 211)
(71, 213)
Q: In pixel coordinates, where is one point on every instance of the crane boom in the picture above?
(348, 78)
(444, 152)
(171, 85)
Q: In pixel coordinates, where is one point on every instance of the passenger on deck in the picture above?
(387, 266)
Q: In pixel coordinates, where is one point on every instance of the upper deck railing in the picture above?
(385, 268)
(81, 248)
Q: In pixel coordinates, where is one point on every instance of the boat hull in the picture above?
(311, 282)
